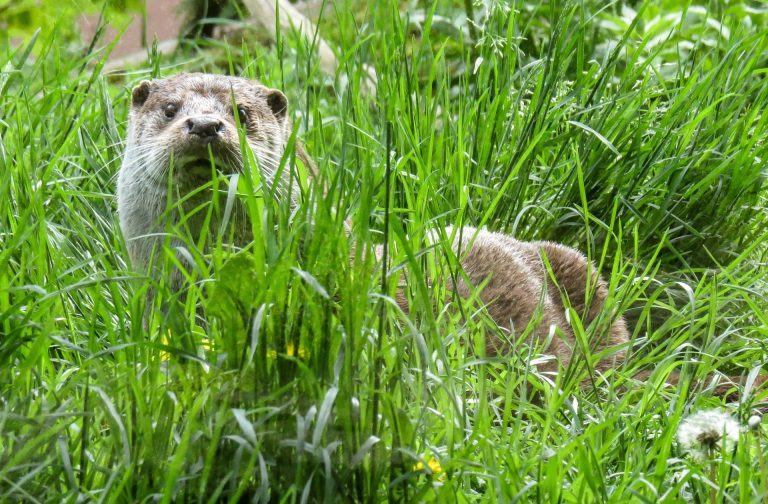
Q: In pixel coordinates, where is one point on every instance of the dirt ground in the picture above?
(163, 21)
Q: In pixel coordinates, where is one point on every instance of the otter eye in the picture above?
(170, 110)
(242, 114)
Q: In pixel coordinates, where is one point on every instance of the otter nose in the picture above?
(204, 127)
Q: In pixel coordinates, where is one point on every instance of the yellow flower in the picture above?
(165, 339)
(432, 463)
(290, 351)
(205, 343)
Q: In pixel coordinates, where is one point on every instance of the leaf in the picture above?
(324, 415)
(313, 283)
(598, 135)
(245, 425)
(363, 450)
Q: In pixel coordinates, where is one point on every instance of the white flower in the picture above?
(707, 432)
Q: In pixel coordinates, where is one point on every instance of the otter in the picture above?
(176, 125)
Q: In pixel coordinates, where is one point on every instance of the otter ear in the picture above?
(277, 102)
(140, 93)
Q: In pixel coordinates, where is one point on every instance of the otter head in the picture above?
(179, 122)
(176, 127)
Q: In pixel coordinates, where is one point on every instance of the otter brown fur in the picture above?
(174, 121)
(518, 285)
(516, 288)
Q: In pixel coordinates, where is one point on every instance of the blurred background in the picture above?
(159, 19)
(136, 24)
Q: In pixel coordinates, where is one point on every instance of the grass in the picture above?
(639, 144)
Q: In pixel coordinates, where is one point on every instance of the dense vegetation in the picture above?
(633, 131)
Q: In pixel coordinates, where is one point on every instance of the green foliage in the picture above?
(21, 18)
(303, 378)
(622, 108)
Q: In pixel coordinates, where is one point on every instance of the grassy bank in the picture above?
(637, 136)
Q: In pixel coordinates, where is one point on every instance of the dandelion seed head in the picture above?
(705, 433)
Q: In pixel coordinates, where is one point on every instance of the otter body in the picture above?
(517, 288)
(177, 124)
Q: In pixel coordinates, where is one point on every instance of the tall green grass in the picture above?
(306, 381)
